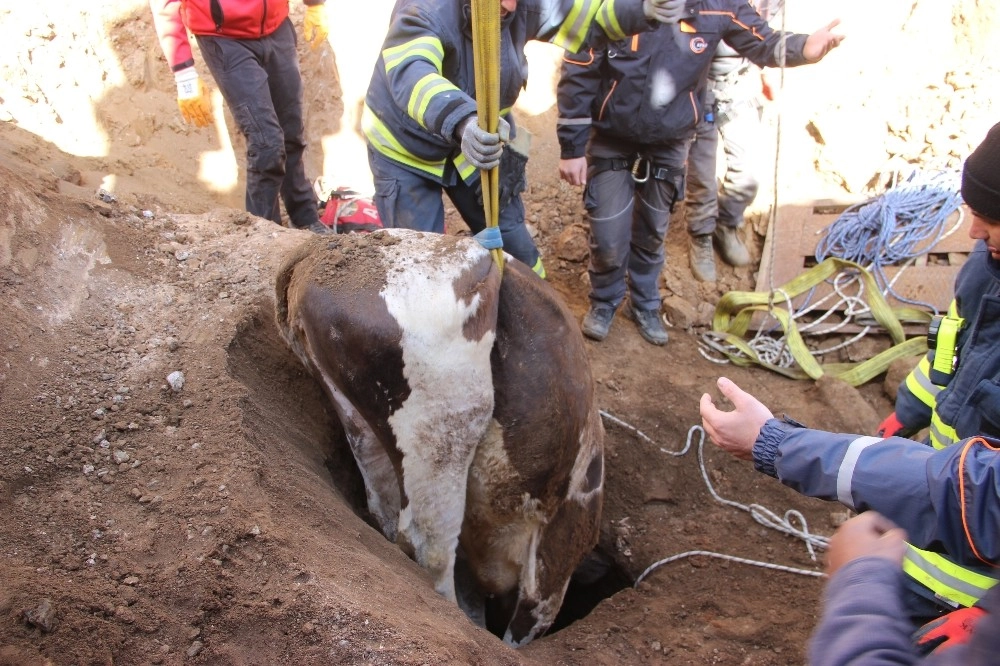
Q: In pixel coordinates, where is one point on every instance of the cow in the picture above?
(466, 395)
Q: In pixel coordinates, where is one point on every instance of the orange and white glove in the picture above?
(315, 27)
(192, 97)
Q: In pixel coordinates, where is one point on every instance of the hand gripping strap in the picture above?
(490, 238)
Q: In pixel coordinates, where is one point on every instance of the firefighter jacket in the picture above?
(948, 501)
(649, 87)
(239, 19)
(423, 85)
(966, 403)
(864, 623)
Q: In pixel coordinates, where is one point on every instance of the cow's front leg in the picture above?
(435, 478)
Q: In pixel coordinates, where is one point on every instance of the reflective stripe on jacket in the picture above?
(948, 501)
(423, 84)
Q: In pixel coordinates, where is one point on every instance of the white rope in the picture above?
(762, 515)
(730, 558)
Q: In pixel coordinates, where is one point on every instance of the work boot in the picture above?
(731, 247)
(650, 325)
(701, 254)
(597, 322)
(318, 228)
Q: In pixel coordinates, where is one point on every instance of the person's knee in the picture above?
(266, 158)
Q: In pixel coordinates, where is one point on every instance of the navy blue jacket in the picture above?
(864, 623)
(423, 85)
(649, 87)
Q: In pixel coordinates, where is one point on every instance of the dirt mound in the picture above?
(175, 486)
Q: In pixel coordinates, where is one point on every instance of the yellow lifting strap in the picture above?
(736, 309)
(486, 61)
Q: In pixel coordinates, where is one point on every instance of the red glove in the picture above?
(765, 88)
(947, 631)
(890, 426)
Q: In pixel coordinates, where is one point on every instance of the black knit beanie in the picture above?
(981, 176)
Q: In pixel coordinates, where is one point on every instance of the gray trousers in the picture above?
(737, 122)
(262, 86)
(628, 219)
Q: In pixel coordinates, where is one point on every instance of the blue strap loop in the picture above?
(490, 238)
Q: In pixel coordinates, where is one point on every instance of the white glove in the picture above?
(665, 11)
(480, 147)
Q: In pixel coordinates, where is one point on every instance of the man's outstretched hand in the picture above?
(734, 431)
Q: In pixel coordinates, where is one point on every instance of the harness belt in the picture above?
(602, 164)
(642, 169)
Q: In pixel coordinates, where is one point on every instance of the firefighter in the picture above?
(420, 120)
(862, 621)
(954, 389)
(627, 114)
(947, 500)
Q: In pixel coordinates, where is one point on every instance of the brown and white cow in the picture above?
(468, 402)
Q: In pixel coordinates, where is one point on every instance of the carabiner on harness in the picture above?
(641, 164)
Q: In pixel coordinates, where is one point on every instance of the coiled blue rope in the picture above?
(905, 222)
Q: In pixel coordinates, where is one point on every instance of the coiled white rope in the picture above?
(761, 514)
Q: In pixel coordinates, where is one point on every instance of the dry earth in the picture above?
(218, 521)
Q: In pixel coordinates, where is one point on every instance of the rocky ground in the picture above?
(173, 487)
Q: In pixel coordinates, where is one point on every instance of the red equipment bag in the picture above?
(346, 211)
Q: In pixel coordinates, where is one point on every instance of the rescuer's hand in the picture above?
(315, 27)
(821, 42)
(869, 534)
(192, 97)
(890, 427)
(664, 11)
(734, 431)
(574, 170)
(948, 630)
(482, 148)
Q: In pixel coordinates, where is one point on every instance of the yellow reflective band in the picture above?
(464, 167)
(539, 268)
(941, 434)
(948, 581)
(425, 48)
(608, 19)
(423, 92)
(381, 139)
(574, 28)
(920, 385)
